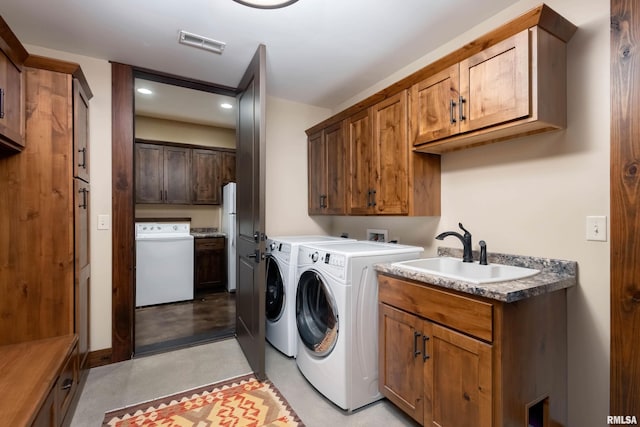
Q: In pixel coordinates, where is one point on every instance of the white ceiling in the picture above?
(319, 52)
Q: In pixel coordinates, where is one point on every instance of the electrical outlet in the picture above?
(103, 222)
(597, 228)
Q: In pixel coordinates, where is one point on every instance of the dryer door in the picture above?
(275, 291)
(316, 314)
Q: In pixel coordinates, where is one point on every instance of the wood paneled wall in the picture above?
(625, 208)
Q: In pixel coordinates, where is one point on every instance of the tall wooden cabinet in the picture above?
(44, 222)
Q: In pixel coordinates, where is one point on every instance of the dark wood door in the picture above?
(228, 168)
(210, 263)
(250, 155)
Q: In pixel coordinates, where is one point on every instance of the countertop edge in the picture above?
(554, 275)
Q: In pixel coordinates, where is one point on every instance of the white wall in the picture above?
(530, 196)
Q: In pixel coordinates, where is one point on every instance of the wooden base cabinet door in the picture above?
(459, 380)
(401, 360)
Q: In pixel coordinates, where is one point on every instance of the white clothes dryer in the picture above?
(337, 317)
(281, 269)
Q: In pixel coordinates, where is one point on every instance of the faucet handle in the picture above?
(462, 228)
(483, 252)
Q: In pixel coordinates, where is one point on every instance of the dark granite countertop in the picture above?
(554, 275)
(204, 232)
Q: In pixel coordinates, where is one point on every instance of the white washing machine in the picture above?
(281, 270)
(337, 317)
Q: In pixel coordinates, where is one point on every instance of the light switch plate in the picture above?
(597, 228)
(103, 222)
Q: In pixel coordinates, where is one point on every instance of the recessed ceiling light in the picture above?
(201, 42)
(226, 105)
(144, 91)
(266, 4)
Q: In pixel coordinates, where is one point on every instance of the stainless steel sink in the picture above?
(454, 268)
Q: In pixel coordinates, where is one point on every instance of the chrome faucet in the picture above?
(467, 255)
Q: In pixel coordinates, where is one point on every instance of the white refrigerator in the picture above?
(229, 229)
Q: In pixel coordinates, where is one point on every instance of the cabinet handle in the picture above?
(452, 107)
(66, 384)
(1, 103)
(323, 201)
(425, 356)
(84, 192)
(416, 352)
(461, 108)
(166, 195)
(83, 151)
(373, 198)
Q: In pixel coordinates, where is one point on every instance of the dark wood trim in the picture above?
(123, 209)
(542, 16)
(99, 358)
(60, 66)
(179, 144)
(172, 79)
(625, 215)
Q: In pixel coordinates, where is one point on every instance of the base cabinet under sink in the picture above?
(452, 359)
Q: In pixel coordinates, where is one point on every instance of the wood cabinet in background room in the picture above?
(206, 168)
(228, 173)
(12, 57)
(210, 263)
(327, 166)
(163, 174)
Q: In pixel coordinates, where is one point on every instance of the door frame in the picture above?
(123, 195)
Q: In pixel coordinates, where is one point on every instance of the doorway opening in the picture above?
(184, 153)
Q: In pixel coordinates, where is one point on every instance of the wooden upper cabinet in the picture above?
(149, 173)
(228, 173)
(515, 87)
(326, 171)
(434, 103)
(391, 148)
(177, 175)
(12, 91)
(379, 159)
(206, 177)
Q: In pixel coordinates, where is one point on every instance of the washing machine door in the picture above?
(275, 299)
(316, 314)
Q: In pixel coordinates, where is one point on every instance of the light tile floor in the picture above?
(146, 378)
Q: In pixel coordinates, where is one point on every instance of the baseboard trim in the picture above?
(99, 358)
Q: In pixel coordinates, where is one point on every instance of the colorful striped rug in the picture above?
(241, 401)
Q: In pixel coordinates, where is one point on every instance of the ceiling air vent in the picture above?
(201, 42)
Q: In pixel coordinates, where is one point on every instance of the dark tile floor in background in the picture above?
(208, 317)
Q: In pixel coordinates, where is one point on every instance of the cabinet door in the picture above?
(495, 84)
(149, 173)
(316, 155)
(401, 360)
(177, 176)
(11, 104)
(82, 267)
(205, 177)
(80, 132)
(228, 168)
(434, 106)
(361, 163)
(210, 267)
(335, 201)
(391, 151)
(459, 380)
